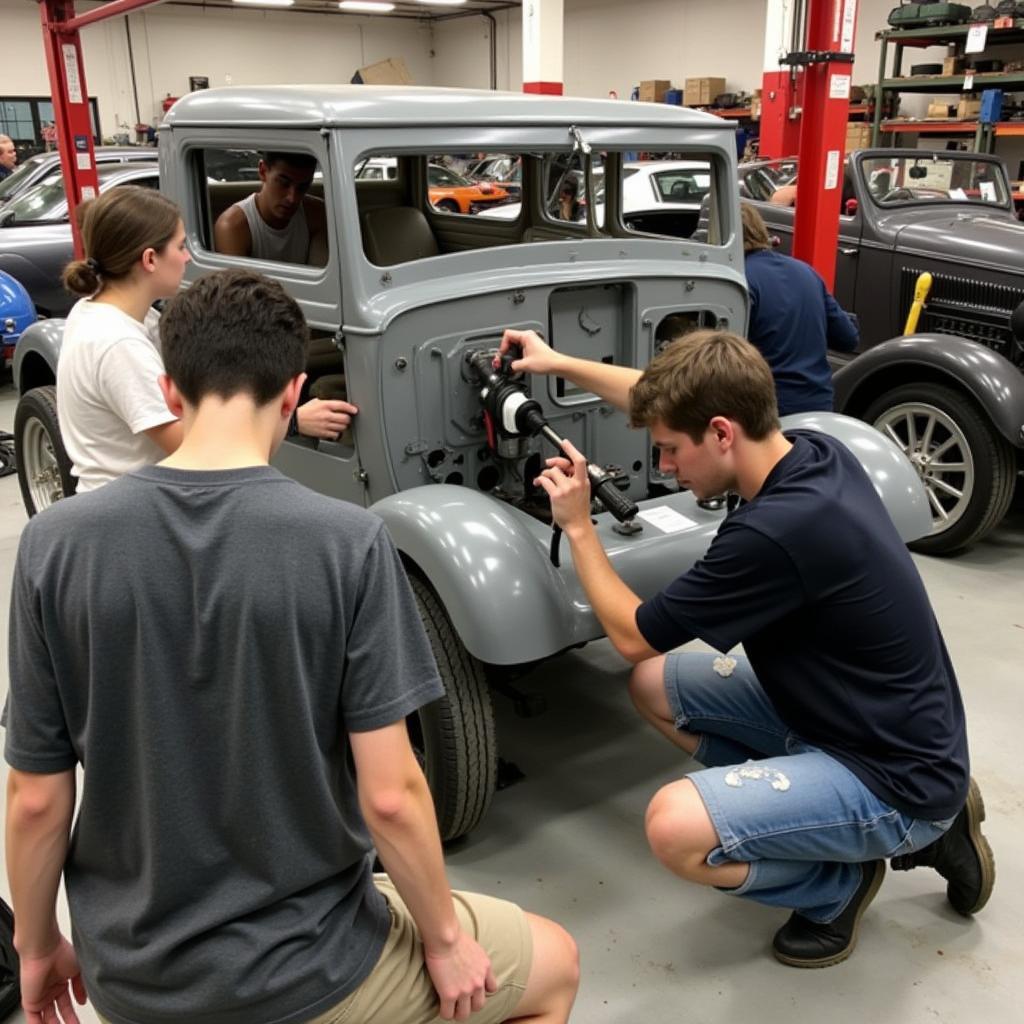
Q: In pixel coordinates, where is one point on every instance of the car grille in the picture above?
(973, 309)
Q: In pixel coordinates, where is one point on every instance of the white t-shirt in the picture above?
(107, 392)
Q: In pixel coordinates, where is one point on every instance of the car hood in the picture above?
(980, 239)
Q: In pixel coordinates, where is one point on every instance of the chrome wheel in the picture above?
(41, 468)
(938, 449)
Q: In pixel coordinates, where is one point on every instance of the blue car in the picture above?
(16, 313)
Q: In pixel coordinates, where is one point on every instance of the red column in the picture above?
(70, 107)
(826, 108)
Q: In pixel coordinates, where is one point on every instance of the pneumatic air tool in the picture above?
(511, 415)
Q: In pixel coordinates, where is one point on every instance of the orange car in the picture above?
(455, 194)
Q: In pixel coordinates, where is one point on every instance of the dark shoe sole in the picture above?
(975, 816)
(843, 954)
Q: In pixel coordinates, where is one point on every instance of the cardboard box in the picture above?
(653, 90)
(858, 135)
(699, 92)
(385, 72)
(939, 110)
(952, 65)
(968, 109)
(755, 108)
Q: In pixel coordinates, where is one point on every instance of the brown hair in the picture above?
(755, 231)
(117, 228)
(702, 375)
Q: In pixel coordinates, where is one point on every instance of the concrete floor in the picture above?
(567, 841)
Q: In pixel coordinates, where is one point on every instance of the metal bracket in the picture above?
(804, 57)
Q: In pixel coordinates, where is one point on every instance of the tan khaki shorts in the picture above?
(398, 990)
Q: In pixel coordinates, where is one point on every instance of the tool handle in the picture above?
(620, 505)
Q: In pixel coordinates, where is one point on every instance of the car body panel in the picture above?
(17, 314)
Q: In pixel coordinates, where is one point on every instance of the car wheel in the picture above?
(454, 736)
(448, 205)
(10, 974)
(967, 467)
(44, 469)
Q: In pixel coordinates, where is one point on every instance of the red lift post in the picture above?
(71, 96)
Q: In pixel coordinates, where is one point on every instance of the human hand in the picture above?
(568, 487)
(45, 994)
(325, 418)
(537, 357)
(462, 977)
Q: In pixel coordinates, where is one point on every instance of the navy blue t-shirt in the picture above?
(813, 579)
(793, 322)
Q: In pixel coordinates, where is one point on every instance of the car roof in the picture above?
(316, 106)
(137, 168)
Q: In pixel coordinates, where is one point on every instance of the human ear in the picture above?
(172, 396)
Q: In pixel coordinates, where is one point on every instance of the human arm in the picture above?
(612, 383)
(231, 234)
(167, 436)
(38, 824)
(614, 603)
(840, 331)
(325, 418)
(399, 813)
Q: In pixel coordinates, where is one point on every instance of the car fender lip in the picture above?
(989, 377)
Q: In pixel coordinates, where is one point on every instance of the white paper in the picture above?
(957, 193)
(71, 73)
(84, 163)
(88, 192)
(849, 16)
(976, 36)
(832, 169)
(968, 83)
(666, 519)
(988, 191)
(839, 87)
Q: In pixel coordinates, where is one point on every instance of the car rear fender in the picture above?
(35, 358)
(995, 384)
(490, 568)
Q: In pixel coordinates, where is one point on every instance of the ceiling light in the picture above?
(266, 3)
(369, 6)
(442, 3)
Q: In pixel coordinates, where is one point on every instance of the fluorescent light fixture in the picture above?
(369, 6)
(266, 3)
(442, 3)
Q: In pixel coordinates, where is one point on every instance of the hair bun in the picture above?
(81, 277)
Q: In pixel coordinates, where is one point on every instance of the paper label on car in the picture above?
(666, 519)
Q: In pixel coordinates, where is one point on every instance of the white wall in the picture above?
(247, 46)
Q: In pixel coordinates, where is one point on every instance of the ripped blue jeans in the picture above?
(801, 819)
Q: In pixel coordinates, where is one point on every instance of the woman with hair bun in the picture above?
(112, 415)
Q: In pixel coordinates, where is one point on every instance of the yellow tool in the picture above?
(921, 290)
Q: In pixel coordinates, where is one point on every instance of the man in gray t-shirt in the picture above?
(231, 658)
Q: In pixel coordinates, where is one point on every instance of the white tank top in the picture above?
(289, 244)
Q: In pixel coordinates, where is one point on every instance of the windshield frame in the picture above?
(865, 162)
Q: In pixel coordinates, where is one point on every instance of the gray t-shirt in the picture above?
(202, 643)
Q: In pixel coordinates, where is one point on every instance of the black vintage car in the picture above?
(951, 394)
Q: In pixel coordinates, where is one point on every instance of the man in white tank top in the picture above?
(280, 222)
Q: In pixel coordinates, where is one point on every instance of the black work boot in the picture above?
(962, 856)
(801, 942)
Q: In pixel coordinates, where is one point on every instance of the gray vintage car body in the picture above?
(472, 536)
(961, 370)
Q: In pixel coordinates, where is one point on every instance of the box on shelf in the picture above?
(967, 109)
(391, 71)
(654, 89)
(700, 92)
(952, 65)
(858, 135)
(674, 96)
(755, 108)
(939, 110)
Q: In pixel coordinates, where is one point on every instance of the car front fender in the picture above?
(895, 479)
(42, 341)
(994, 382)
(489, 565)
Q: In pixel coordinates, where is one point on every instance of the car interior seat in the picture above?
(397, 234)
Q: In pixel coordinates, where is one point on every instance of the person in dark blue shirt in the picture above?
(793, 321)
(839, 740)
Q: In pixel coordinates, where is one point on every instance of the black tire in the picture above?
(959, 435)
(44, 469)
(448, 205)
(10, 975)
(454, 737)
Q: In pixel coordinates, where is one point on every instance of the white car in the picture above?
(660, 196)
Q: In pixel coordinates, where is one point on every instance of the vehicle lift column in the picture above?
(827, 63)
(70, 94)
